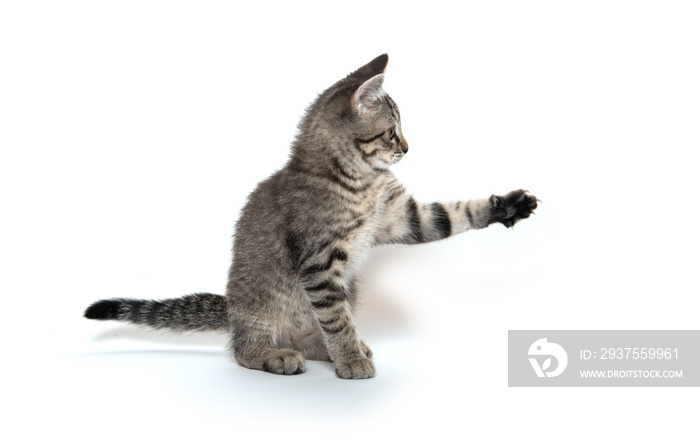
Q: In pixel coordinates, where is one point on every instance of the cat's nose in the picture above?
(404, 145)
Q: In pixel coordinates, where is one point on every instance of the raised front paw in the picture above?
(359, 367)
(513, 207)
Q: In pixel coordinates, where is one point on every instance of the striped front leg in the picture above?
(407, 221)
(329, 293)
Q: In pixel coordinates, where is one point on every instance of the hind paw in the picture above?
(285, 362)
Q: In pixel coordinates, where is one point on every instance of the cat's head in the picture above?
(358, 110)
(375, 120)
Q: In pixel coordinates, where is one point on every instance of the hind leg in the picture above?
(253, 348)
(312, 346)
(276, 361)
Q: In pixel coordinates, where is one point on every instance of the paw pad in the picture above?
(513, 207)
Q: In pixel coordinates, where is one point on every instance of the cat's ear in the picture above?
(378, 65)
(368, 93)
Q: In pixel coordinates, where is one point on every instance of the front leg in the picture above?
(330, 294)
(407, 221)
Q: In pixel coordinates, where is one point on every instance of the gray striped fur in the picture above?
(304, 233)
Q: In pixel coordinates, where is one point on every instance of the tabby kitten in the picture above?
(305, 231)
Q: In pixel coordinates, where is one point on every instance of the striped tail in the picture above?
(196, 312)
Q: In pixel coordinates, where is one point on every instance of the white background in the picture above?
(131, 133)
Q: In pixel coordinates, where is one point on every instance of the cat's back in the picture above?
(286, 202)
(297, 207)
(262, 212)
(282, 198)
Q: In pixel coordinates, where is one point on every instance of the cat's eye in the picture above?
(391, 133)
